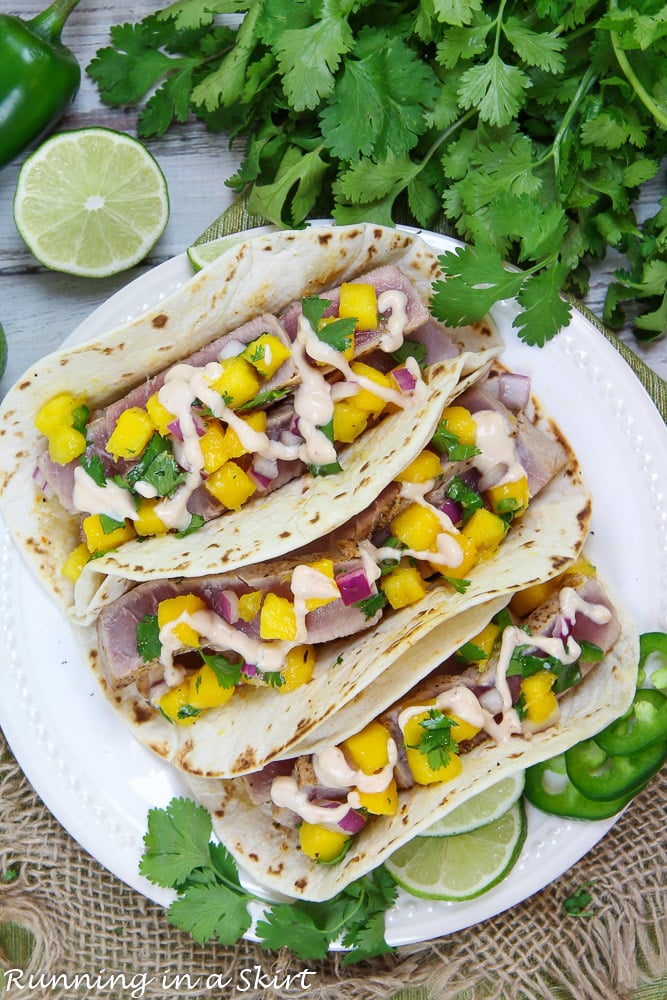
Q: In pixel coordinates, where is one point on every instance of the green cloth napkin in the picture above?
(237, 219)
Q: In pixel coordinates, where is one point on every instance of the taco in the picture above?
(279, 362)
(494, 502)
(520, 691)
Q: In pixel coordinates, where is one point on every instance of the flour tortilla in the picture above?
(271, 855)
(261, 724)
(262, 274)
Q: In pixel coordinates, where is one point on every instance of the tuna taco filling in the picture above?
(189, 644)
(506, 683)
(273, 399)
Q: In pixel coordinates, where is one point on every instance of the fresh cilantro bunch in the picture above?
(525, 127)
(211, 902)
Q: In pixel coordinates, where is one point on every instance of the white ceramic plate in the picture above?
(100, 782)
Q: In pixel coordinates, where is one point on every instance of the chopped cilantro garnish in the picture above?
(447, 443)
(196, 522)
(331, 468)
(93, 466)
(273, 678)
(410, 349)
(371, 605)
(212, 904)
(437, 743)
(149, 646)
(158, 467)
(227, 673)
(264, 399)
(188, 712)
(460, 586)
(525, 664)
(80, 416)
(469, 652)
(110, 524)
(468, 499)
(577, 905)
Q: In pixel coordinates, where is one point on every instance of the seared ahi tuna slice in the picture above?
(117, 624)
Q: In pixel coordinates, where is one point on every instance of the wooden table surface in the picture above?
(38, 308)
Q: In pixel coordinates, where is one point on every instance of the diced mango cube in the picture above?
(249, 605)
(212, 444)
(299, 667)
(320, 843)
(66, 444)
(349, 421)
(326, 567)
(99, 540)
(417, 527)
(424, 467)
(462, 729)
(418, 762)
(277, 619)
(238, 381)
(72, 567)
(175, 704)
(206, 691)
(485, 640)
(509, 498)
(231, 485)
(57, 411)
(469, 558)
(172, 608)
(384, 803)
(539, 700)
(147, 521)
(134, 429)
(366, 399)
(266, 354)
(159, 414)
(460, 422)
(526, 600)
(368, 749)
(403, 586)
(485, 529)
(359, 300)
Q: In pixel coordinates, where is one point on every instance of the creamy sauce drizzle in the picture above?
(111, 499)
(496, 445)
(397, 301)
(333, 770)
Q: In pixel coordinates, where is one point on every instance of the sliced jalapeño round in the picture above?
(602, 776)
(549, 789)
(644, 724)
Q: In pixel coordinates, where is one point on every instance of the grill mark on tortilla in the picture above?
(160, 320)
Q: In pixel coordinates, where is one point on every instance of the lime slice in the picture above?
(201, 254)
(91, 202)
(463, 866)
(481, 809)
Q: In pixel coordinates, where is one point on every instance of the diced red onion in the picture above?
(452, 509)
(352, 821)
(404, 379)
(491, 700)
(249, 669)
(265, 468)
(514, 390)
(174, 428)
(353, 585)
(229, 606)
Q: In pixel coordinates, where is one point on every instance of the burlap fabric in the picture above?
(64, 918)
(84, 920)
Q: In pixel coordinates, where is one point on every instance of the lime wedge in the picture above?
(201, 254)
(481, 809)
(462, 866)
(91, 202)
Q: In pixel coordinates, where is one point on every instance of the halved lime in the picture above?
(201, 254)
(91, 202)
(481, 809)
(462, 866)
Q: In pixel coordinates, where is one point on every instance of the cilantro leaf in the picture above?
(211, 911)
(158, 467)
(473, 280)
(196, 522)
(110, 524)
(371, 605)
(436, 743)
(227, 672)
(149, 646)
(176, 842)
(94, 468)
(308, 57)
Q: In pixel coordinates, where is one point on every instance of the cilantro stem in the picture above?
(585, 84)
(658, 113)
